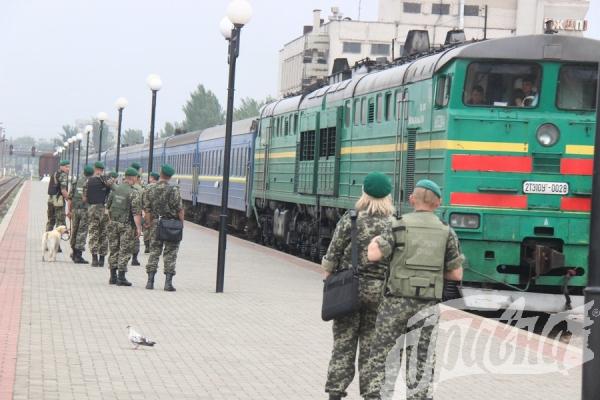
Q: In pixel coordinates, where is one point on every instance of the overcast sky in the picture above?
(63, 60)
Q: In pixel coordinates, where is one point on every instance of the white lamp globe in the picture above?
(102, 116)
(154, 82)
(79, 136)
(89, 129)
(66, 144)
(71, 139)
(121, 103)
(239, 12)
(226, 27)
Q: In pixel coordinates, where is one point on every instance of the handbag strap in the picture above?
(353, 216)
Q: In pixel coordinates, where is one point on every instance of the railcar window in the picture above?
(389, 107)
(502, 84)
(379, 108)
(286, 124)
(363, 111)
(347, 112)
(357, 112)
(371, 115)
(327, 142)
(307, 146)
(577, 87)
(442, 94)
(295, 129)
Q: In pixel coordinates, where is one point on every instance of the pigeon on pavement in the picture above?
(137, 339)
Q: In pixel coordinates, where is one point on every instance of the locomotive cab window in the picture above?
(500, 84)
(442, 93)
(577, 87)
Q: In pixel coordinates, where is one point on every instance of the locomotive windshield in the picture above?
(577, 87)
(500, 84)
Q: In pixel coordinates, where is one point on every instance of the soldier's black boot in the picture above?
(134, 260)
(94, 260)
(73, 254)
(121, 280)
(113, 276)
(169, 283)
(81, 259)
(146, 246)
(78, 258)
(150, 283)
(335, 397)
(101, 261)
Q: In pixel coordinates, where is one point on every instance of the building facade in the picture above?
(308, 59)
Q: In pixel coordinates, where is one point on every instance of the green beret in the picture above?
(377, 184)
(155, 175)
(136, 165)
(113, 174)
(430, 185)
(167, 170)
(88, 170)
(64, 162)
(99, 164)
(131, 172)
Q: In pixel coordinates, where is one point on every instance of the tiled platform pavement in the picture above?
(261, 339)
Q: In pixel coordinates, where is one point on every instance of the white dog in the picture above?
(51, 242)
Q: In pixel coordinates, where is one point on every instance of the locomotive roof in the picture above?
(238, 128)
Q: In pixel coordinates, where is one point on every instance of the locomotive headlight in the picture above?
(464, 221)
(547, 135)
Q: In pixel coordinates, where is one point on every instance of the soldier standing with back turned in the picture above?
(78, 215)
(57, 194)
(95, 193)
(147, 229)
(162, 201)
(137, 186)
(125, 210)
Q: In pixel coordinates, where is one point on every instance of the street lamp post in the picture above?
(79, 138)
(239, 13)
(121, 104)
(72, 141)
(88, 130)
(590, 382)
(155, 84)
(101, 117)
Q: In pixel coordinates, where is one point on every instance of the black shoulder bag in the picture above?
(340, 290)
(169, 230)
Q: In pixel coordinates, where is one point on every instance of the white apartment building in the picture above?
(309, 58)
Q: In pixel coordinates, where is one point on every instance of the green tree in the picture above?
(68, 131)
(249, 108)
(168, 130)
(132, 136)
(202, 110)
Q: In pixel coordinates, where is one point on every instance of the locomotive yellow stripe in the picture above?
(283, 154)
(579, 149)
(212, 178)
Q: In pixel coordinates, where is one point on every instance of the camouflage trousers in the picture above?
(79, 228)
(121, 239)
(56, 216)
(351, 333)
(136, 246)
(148, 234)
(98, 229)
(167, 249)
(403, 323)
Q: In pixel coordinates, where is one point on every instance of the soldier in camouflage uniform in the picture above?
(78, 215)
(147, 228)
(95, 193)
(139, 187)
(356, 331)
(125, 211)
(162, 200)
(57, 195)
(427, 252)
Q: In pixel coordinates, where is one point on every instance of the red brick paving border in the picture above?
(12, 270)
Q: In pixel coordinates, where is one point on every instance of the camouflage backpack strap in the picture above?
(354, 241)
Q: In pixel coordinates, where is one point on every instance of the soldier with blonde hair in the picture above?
(355, 331)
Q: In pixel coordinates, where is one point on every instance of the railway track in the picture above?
(7, 185)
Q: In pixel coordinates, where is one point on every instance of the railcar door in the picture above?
(306, 153)
(195, 174)
(328, 162)
(262, 156)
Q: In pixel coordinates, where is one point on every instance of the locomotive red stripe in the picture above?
(489, 200)
(471, 162)
(576, 166)
(576, 204)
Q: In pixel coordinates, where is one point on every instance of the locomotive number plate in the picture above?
(545, 187)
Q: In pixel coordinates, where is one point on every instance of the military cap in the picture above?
(377, 184)
(136, 165)
(113, 174)
(430, 185)
(99, 164)
(155, 175)
(64, 162)
(88, 170)
(167, 170)
(131, 172)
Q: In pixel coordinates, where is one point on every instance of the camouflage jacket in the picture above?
(339, 253)
(62, 180)
(162, 200)
(133, 203)
(76, 193)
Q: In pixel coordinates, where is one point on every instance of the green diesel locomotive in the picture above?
(504, 126)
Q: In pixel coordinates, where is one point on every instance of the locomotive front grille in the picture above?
(548, 163)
